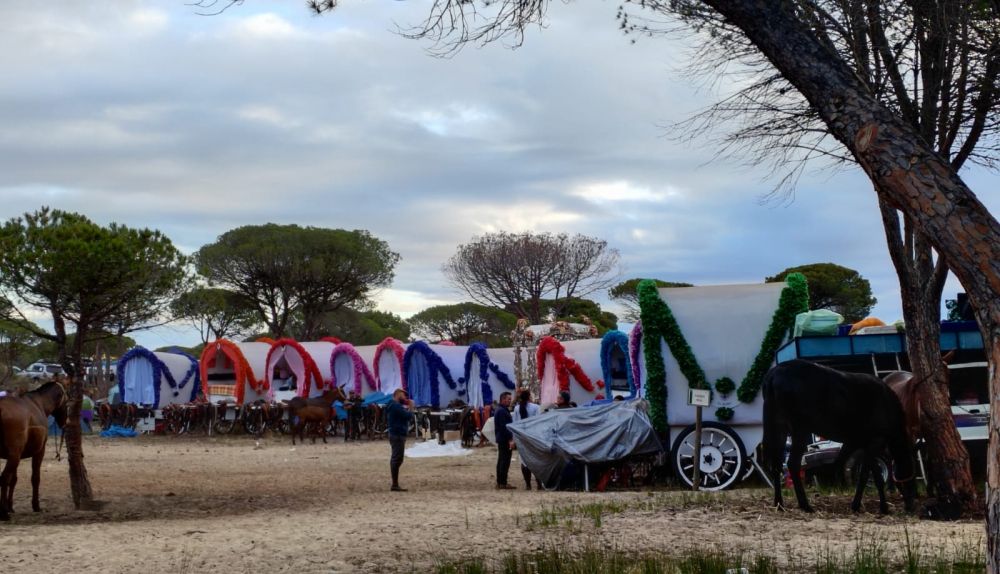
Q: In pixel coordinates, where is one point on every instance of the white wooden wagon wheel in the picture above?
(723, 456)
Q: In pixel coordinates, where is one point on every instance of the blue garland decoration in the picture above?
(158, 370)
(192, 373)
(436, 367)
(502, 376)
(609, 341)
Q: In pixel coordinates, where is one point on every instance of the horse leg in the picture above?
(7, 487)
(36, 479)
(883, 506)
(799, 442)
(862, 482)
(775, 435)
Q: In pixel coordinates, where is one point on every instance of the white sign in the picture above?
(699, 397)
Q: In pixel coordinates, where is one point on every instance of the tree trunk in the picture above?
(949, 461)
(907, 174)
(920, 284)
(72, 362)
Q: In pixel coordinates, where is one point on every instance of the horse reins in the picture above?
(62, 435)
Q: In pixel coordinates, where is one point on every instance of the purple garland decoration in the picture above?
(361, 370)
(634, 342)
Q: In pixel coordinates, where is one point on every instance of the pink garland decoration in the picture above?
(397, 348)
(634, 341)
(361, 370)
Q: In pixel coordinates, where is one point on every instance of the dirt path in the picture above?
(184, 505)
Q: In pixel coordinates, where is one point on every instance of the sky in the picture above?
(151, 115)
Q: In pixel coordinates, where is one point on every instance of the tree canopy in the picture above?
(367, 327)
(286, 269)
(101, 280)
(834, 287)
(516, 271)
(625, 294)
(464, 323)
(216, 313)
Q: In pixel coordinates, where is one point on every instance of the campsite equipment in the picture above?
(548, 442)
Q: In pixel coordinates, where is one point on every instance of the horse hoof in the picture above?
(855, 508)
(5, 517)
(883, 510)
(808, 509)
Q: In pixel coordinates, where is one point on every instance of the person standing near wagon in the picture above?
(505, 441)
(398, 415)
(525, 408)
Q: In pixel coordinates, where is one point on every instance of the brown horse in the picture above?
(24, 430)
(315, 410)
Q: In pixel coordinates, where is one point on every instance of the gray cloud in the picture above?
(148, 114)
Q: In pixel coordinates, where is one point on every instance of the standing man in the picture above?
(399, 413)
(505, 441)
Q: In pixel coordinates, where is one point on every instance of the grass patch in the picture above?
(870, 555)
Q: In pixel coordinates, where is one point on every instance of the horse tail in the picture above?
(774, 428)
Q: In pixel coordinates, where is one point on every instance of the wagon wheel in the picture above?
(723, 457)
(225, 425)
(253, 421)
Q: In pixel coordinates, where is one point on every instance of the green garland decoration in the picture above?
(794, 300)
(724, 413)
(659, 322)
(724, 386)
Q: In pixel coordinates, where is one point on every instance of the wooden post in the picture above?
(697, 449)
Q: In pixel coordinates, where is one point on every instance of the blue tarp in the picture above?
(118, 431)
(377, 398)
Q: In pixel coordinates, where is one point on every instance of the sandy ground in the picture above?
(195, 504)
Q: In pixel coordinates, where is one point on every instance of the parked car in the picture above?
(43, 371)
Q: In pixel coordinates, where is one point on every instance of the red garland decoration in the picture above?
(333, 340)
(312, 371)
(242, 371)
(565, 366)
(397, 348)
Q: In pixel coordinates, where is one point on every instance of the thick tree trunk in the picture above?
(947, 457)
(908, 175)
(79, 483)
(920, 283)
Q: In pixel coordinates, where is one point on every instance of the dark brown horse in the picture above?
(24, 431)
(315, 410)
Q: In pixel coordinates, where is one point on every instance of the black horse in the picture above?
(803, 398)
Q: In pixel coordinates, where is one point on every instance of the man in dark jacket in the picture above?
(505, 441)
(398, 415)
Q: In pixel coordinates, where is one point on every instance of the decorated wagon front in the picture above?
(722, 338)
(234, 372)
(156, 379)
(298, 369)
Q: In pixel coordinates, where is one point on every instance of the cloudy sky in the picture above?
(149, 114)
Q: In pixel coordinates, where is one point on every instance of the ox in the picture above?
(803, 398)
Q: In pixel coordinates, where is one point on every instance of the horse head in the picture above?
(55, 401)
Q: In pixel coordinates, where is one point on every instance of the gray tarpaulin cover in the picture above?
(589, 434)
